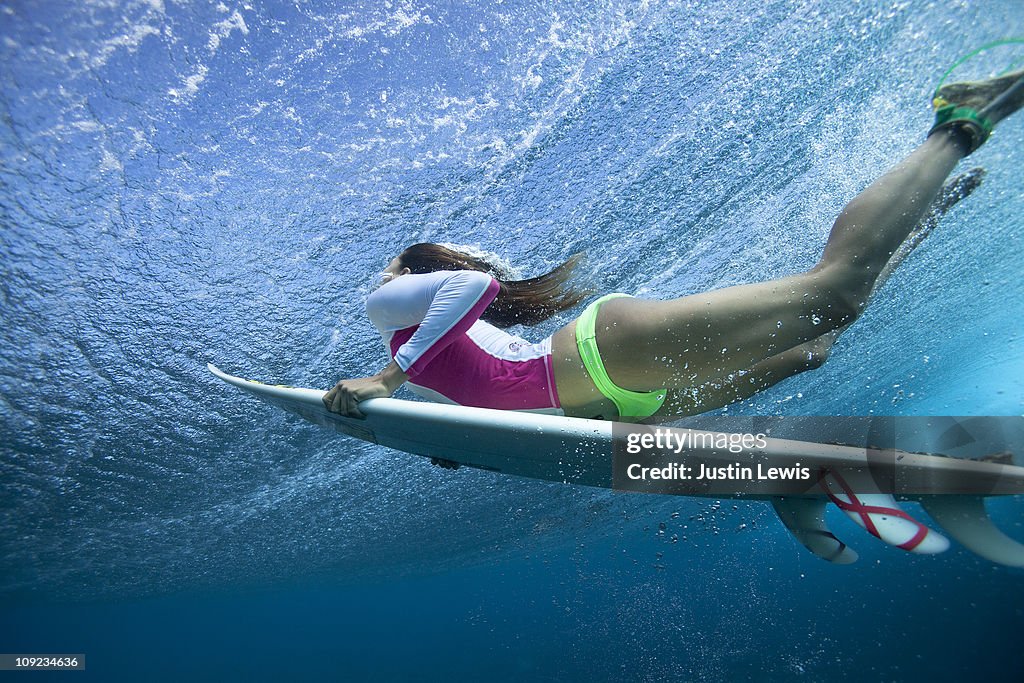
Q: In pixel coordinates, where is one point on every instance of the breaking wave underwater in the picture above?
(184, 183)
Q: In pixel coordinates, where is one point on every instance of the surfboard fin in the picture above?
(805, 519)
(965, 519)
(881, 516)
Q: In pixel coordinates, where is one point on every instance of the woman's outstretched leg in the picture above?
(894, 204)
(810, 355)
(871, 228)
(694, 340)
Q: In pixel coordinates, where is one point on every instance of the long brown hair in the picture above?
(519, 302)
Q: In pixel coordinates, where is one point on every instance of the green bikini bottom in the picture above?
(631, 404)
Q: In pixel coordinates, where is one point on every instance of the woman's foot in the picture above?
(975, 94)
(970, 110)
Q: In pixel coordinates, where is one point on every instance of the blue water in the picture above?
(183, 183)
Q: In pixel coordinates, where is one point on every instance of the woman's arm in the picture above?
(437, 306)
(347, 393)
(440, 306)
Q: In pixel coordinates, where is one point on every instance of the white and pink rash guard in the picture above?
(431, 326)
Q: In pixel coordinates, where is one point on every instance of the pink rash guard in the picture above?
(431, 326)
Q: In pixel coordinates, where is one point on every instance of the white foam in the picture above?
(129, 41)
(86, 126)
(391, 25)
(110, 162)
(505, 269)
(190, 85)
(223, 29)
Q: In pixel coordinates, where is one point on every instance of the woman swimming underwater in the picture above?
(441, 311)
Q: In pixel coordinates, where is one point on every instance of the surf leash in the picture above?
(975, 53)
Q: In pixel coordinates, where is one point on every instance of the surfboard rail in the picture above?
(580, 452)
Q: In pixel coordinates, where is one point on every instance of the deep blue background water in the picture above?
(183, 183)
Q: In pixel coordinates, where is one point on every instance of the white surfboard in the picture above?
(579, 451)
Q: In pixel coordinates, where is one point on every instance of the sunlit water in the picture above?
(183, 183)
